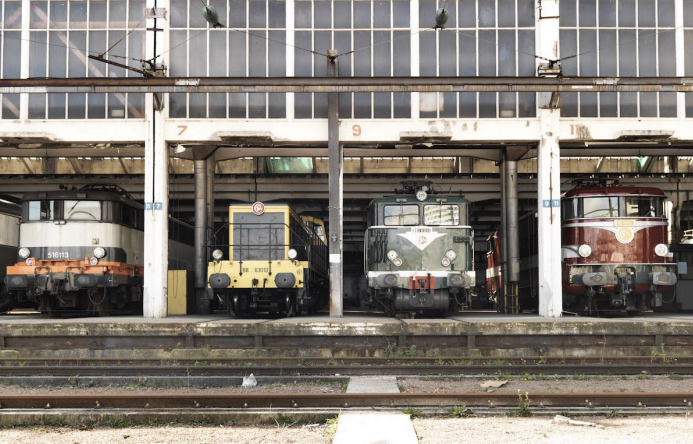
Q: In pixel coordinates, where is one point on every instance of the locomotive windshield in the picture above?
(612, 206)
(82, 210)
(64, 210)
(401, 215)
(42, 210)
(441, 214)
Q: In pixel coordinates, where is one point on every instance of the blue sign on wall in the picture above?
(547, 203)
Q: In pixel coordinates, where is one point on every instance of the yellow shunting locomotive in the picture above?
(274, 262)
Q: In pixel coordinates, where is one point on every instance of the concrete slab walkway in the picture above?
(373, 427)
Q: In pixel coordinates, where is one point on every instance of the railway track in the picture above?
(342, 400)
(346, 366)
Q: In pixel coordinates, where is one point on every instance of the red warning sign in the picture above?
(258, 208)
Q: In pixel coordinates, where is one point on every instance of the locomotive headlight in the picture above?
(397, 262)
(99, 252)
(292, 254)
(584, 250)
(661, 250)
(392, 255)
(421, 195)
(30, 262)
(24, 252)
(445, 262)
(217, 254)
(93, 260)
(450, 254)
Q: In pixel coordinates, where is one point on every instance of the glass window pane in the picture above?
(400, 14)
(237, 12)
(277, 14)
(323, 14)
(467, 13)
(58, 14)
(97, 14)
(644, 206)
(607, 13)
(441, 214)
(626, 13)
(42, 210)
(82, 210)
(568, 14)
(588, 13)
(506, 13)
(13, 15)
(667, 13)
(258, 14)
(381, 14)
(342, 14)
(116, 14)
(599, 207)
(427, 13)
(487, 14)
(362, 14)
(401, 215)
(525, 13)
(647, 13)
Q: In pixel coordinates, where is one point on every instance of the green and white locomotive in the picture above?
(419, 252)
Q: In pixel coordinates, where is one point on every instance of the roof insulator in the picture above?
(442, 16)
(212, 16)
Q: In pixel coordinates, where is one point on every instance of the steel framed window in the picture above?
(374, 37)
(252, 44)
(61, 36)
(619, 38)
(10, 53)
(486, 38)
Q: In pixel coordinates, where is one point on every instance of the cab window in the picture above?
(441, 214)
(82, 210)
(638, 206)
(600, 207)
(42, 210)
(401, 215)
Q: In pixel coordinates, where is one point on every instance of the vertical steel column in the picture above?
(200, 171)
(336, 192)
(549, 168)
(513, 238)
(503, 238)
(211, 166)
(155, 182)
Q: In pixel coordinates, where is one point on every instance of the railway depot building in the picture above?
(510, 143)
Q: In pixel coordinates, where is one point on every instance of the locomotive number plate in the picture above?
(58, 255)
(624, 223)
(421, 230)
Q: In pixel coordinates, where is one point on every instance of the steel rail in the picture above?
(342, 400)
(345, 84)
(351, 370)
(538, 359)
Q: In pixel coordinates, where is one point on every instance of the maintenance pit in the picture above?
(655, 335)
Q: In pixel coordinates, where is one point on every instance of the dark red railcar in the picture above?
(614, 249)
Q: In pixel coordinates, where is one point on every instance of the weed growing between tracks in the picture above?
(332, 424)
(523, 409)
(461, 412)
(412, 412)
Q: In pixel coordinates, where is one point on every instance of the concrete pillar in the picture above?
(549, 169)
(156, 158)
(336, 186)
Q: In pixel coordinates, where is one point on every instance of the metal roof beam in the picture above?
(345, 84)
